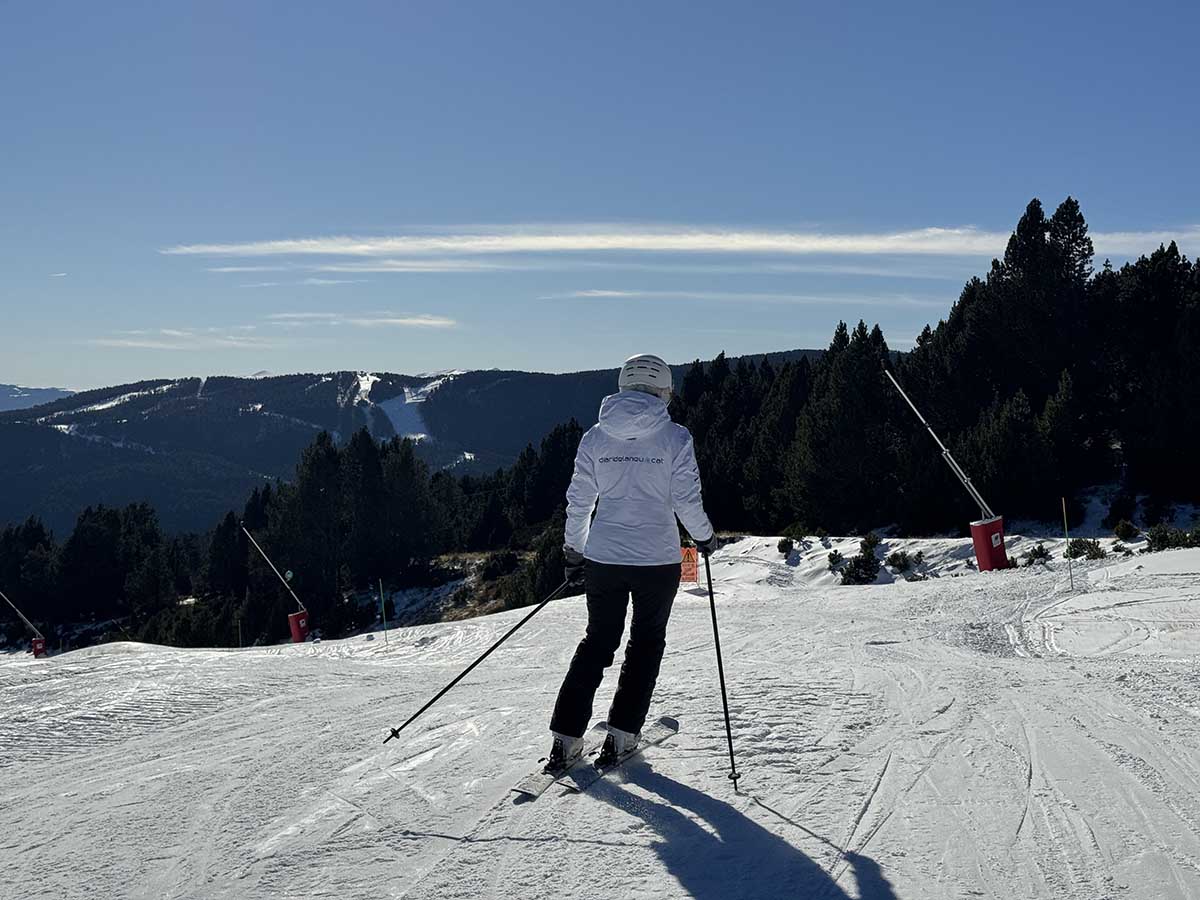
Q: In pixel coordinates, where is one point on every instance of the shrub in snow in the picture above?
(900, 560)
(796, 531)
(1037, 554)
(1164, 537)
(785, 546)
(835, 560)
(918, 559)
(864, 568)
(1126, 530)
(1084, 547)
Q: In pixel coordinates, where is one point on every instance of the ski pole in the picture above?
(396, 731)
(734, 775)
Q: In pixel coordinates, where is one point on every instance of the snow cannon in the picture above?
(987, 532)
(39, 639)
(988, 537)
(298, 623)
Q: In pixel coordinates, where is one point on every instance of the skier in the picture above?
(637, 470)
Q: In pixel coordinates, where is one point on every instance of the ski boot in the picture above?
(616, 745)
(563, 753)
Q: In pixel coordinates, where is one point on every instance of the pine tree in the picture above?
(363, 508)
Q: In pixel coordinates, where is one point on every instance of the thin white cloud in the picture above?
(58, 274)
(179, 340)
(887, 300)
(942, 241)
(248, 268)
(936, 241)
(421, 321)
(232, 337)
(429, 265)
(320, 282)
(1136, 243)
(361, 320)
(261, 284)
(303, 316)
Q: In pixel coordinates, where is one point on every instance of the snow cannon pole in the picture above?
(37, 634)
(283, 580)
(734, 775)
(985, 511)
(1067, 535)
(383, 610)
(465, 672)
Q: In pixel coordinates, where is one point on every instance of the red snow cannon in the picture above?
(988, 537)
(987, 533)
(39, 647)
(298, 622)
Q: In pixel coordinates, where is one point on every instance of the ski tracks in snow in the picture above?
(990, 736)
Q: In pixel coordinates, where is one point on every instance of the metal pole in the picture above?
(734, 775)
(984, 509)
(28, 624)
(396, 731)
(383, 610)
(273, 569)
(1067, 533)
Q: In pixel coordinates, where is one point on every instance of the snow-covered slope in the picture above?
(988, 735)
(14, 396)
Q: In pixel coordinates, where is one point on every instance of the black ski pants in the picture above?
(609, 588)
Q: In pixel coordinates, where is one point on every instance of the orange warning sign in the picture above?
(691, 565)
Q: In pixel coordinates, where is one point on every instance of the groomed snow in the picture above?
(112, 402)
(992, 735)
(404, 410)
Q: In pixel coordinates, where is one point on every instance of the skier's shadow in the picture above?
(734, 857)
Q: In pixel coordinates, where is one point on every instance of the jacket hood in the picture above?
(632, 414)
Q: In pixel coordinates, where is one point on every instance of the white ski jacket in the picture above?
(637, 469)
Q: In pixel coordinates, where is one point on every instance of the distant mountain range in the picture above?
(14, 396)
(196, 447)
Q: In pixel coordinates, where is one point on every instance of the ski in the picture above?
(536, 782)
(579, 778)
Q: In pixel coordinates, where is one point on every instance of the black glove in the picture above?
(706, 548)
(573, 569)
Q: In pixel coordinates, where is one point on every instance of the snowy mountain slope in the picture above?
(14, 396)
(985, 735)
(247, 429)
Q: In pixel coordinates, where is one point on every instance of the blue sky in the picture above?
(230, 187)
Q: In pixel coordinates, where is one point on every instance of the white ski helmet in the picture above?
(648, 373)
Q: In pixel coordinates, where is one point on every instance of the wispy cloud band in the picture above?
(888, 300)
(362, 320)
(181, 339)
(937, 241)
(241, 337)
